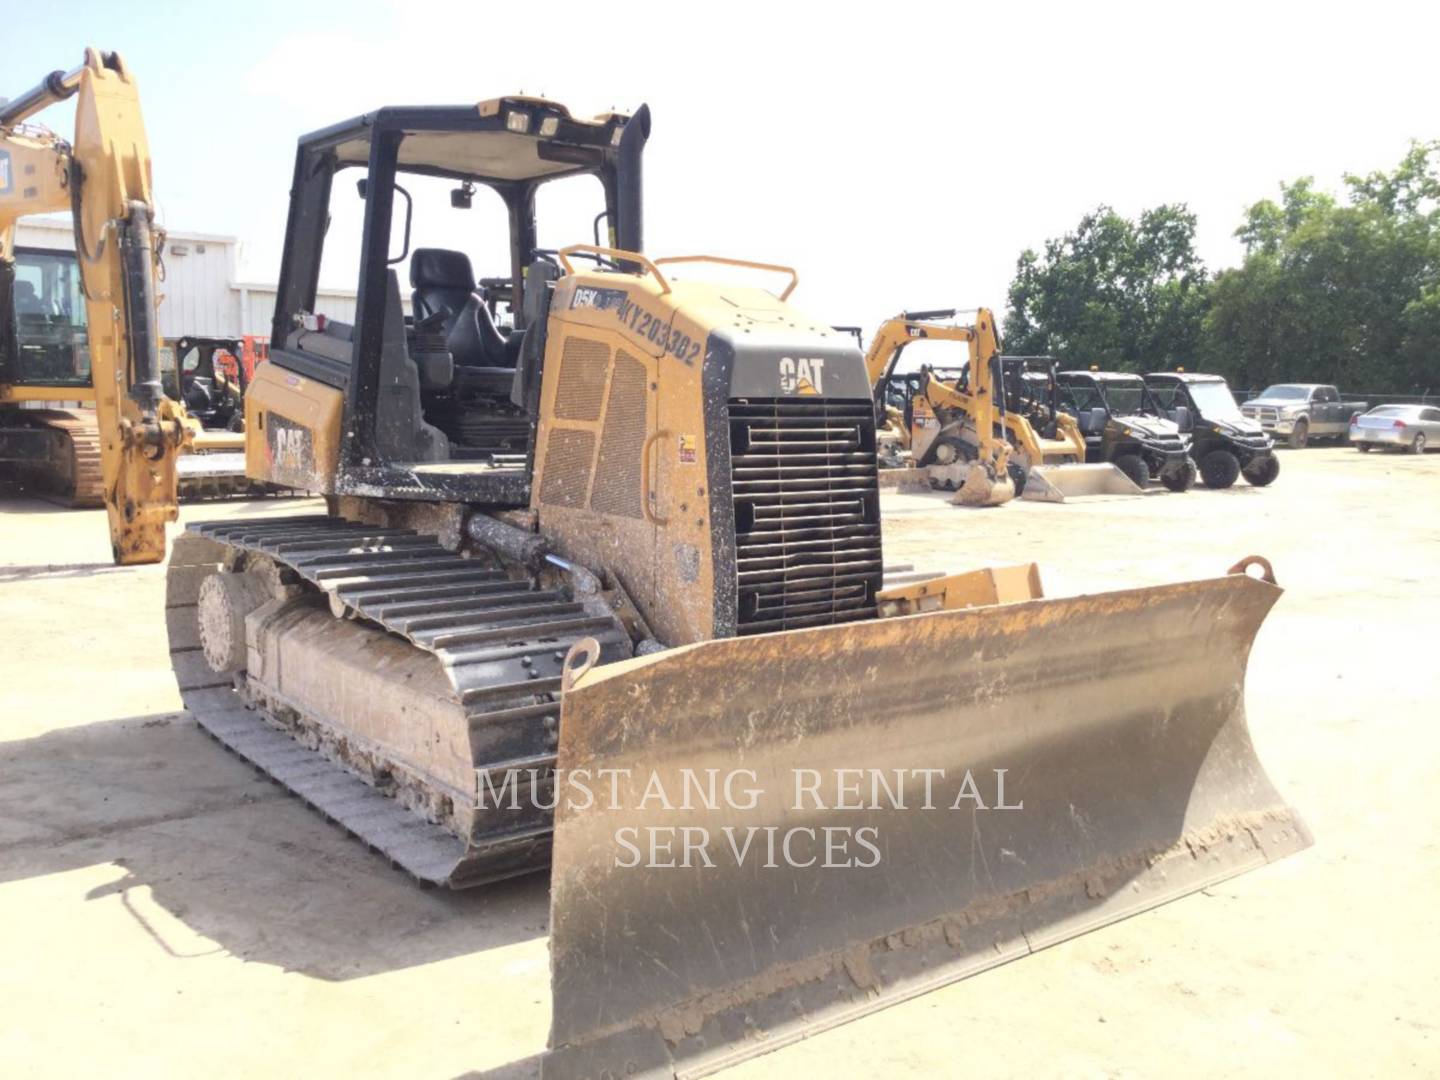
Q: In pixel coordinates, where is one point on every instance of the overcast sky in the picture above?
(900, 156)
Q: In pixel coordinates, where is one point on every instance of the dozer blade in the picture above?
(1056, 483)
(1117, 718)
(217, 475)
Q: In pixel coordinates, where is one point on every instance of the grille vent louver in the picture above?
(617, 474)
(807, 512)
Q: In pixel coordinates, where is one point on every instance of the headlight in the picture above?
(1290, 410)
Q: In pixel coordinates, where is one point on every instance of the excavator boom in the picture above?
(103, 179)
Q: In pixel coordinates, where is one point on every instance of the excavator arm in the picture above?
(103, 178)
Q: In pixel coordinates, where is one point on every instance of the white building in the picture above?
(199, 294)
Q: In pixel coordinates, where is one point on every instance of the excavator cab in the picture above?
(431, 385)
(42, 321)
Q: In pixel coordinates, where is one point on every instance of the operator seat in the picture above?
(1091, 422)
(484, 359)
(26, 302)
(441, 281)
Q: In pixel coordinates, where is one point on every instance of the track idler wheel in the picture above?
(225, 600)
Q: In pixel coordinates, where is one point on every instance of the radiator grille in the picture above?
(807, 512)
(583, 363)
(617, 475)
(568, 456)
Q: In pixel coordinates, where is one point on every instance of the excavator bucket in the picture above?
(973, 484)
(980, 489)
(1056, 483)
(807, 826)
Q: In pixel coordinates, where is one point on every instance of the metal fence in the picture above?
(1372, 398)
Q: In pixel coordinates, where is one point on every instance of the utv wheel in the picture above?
(1181, 478)
(1363, 447)
(1418, 446)
(1133, 466)
(1219, 468)
(1262, 471)
(1300, 437)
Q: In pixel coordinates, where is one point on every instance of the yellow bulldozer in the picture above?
(600, 589)
(52, 348)
(1013, 398)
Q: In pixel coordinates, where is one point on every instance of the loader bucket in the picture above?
(1128, 780)
(1056, 483)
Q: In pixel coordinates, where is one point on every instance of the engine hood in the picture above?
(1151, 426)
(1235, 426)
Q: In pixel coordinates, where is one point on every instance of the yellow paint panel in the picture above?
(292, 429)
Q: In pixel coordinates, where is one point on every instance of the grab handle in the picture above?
(720, 260)
(612, 253)
(648, 494)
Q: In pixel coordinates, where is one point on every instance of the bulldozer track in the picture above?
(500, 641)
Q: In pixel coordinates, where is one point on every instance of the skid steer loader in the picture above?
(601, 589)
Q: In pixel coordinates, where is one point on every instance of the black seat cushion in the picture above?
(483, 357)
(442, 282)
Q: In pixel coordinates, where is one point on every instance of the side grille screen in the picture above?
(582, 379)
(807, 512)
(568, 455)
(617, 476)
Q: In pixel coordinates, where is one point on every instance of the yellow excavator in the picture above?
(103, 178)
(81, 327)
(1013, 398)
(601, 590)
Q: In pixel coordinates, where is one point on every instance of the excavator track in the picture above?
(499, 641)
(71, 476)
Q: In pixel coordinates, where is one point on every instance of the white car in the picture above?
(1401, 427)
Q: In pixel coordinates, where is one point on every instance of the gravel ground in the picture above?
(167, 910)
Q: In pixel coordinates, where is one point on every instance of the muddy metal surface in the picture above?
(164, 907)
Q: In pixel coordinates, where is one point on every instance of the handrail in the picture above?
(720, 260)
(612, 253)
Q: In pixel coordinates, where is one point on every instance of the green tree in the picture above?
(1121, 294)
(1346, 292)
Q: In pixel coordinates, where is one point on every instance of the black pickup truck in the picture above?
(1299, 412)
